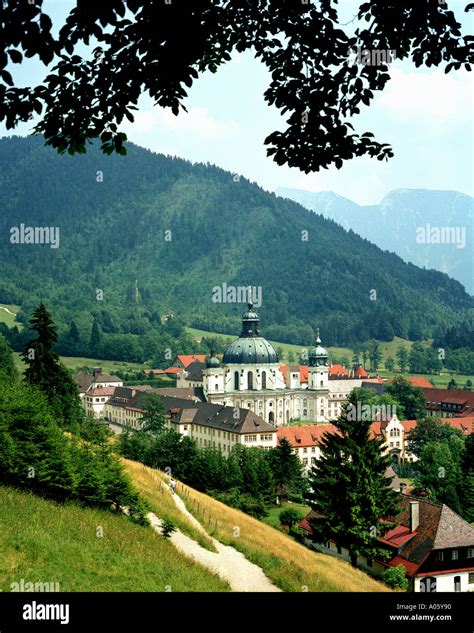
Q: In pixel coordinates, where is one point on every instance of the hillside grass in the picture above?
(288, 564)
(7, 318)
(42, 541)
(76, 362)
(386, 348)
(158, 495)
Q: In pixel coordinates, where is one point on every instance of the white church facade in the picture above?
(250, 377)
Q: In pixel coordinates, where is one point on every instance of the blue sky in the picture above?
(425, 114)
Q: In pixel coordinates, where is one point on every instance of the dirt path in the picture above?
(227, 562)
(7, 310)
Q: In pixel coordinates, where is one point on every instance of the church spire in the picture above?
(250, 321)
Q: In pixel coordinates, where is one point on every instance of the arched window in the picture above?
(216, 387)
(264, 379)
(250, 380)
(271, 417)
(236, 381)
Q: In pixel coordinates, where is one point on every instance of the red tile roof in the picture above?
(187, 359)
(173, 370)
(338, 370)
(409, 566)
(397, 536)
(303, 373)
(308, 435)
(154, 371)
(360, 373)
(419, 381)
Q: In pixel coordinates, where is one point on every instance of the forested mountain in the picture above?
(145, 235)
(399, 224)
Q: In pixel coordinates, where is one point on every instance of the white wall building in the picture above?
(250, 377)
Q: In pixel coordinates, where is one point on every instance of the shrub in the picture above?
(395, 578)
(167, 528)
(289, 517)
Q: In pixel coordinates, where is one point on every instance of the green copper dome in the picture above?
(250, 348)
(318, 354)
(213, 361)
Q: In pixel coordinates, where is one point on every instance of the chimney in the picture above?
(414, 515)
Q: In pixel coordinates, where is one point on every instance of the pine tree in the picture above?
(45, 370)
(349, 490)
(286, 469)
(73, 340)
(94, 342)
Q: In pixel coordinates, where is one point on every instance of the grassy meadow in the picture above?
(42, 541)
(158, 495)
(8, 315)
(288, 564)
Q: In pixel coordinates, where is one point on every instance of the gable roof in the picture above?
(102, 391)
(84, 381)
(194, 370)
(187, 359)
(338, 370)
(308, 435)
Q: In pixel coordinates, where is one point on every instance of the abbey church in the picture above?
(251, 376)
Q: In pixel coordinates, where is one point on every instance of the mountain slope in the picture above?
(156, 235)
(288, 564)
(393, 225)
(48, 542)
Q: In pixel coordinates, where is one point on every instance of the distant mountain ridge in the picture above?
(145, 235)
(405, 222)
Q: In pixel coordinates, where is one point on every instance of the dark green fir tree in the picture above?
(349, 490)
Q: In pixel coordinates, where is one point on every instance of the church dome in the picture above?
(213, 361)
(250, 351)
(250, 348)
(318, 353)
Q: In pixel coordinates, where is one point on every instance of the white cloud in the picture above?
(428, 97)
(197, 123)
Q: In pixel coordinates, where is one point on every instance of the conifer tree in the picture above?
(94, 342)
(286, 469)
(45, 370)
(349, 490)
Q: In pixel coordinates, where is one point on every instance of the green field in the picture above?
(42, 541)
(7, 317)
(387, 349)
(76, 362)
